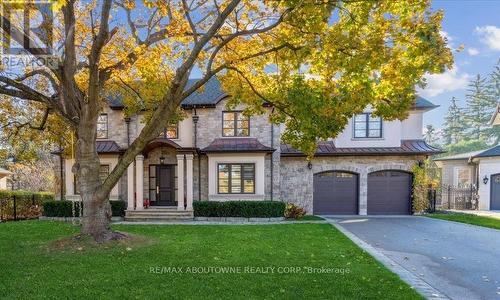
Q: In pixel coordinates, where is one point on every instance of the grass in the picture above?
(36, 264)
(469, 219)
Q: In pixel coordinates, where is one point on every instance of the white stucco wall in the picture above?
(487, 167)
(256, 158)
(391, 136)
(110, 160)
(392, 132)
(412, 127)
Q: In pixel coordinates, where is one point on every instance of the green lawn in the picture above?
(469, 219)
(32, 269)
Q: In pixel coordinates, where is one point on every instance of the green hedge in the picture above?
(27, 204)
(245, 209)
(73, 208)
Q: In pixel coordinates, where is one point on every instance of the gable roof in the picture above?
(491, 152)
(211, 93)
(494, 151)
(461, 156)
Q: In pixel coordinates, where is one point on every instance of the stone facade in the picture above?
(297, 178)
(285, 178)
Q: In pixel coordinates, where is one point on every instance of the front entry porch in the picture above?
(160, 183)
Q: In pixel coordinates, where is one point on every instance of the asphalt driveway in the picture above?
(459, 260)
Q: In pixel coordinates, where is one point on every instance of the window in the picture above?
(236, 179)
(102, 126)
(462, 176)
(103, 174)
(171, 132)
(367, 126)
(234, 123)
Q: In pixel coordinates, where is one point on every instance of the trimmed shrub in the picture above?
(293, 211)
(61, 209)
(65, 208)
(27, 204)
(118, 208)
(245, 209)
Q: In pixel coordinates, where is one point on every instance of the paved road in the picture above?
(459, 260)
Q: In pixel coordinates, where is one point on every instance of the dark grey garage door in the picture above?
(389, 193)
(335, 193)
(495, 192)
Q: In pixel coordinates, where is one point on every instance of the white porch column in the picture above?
(139, 182)
(189, 181)
(130, 187)
(180, 181)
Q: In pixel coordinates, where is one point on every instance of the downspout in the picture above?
(61, 170)
(272, 158)
(195, 121)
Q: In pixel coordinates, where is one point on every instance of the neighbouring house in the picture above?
(4, 176)
(495, 119)
(218, 154)
(480, 169)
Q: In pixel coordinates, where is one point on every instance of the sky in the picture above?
(476, 25)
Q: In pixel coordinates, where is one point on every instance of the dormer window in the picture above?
(102, 126)
(171, 132)
(235, 123)
(367, 126)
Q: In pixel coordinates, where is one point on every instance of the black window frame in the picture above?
(165, 130)
(367, 127)
(107, 127)
(242, 184)
(235, 127)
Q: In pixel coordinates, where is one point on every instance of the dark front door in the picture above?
(495, 192)
(389, 193)
(165, 190)
(335, 193)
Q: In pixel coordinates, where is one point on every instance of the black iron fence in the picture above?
(18, 205)
(454, 197)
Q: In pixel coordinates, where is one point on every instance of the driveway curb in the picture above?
(421, 286)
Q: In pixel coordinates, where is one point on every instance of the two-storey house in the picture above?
(220, 154)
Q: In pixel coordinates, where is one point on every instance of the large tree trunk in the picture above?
(96, 208)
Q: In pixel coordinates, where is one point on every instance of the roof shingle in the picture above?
(494, 151)
(211, 93)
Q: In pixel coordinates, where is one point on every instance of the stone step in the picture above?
(159, 213)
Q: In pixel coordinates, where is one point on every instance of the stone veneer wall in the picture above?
(297, 179)
(204, 178)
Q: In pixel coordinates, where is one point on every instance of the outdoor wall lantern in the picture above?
(485, 179)
(162, 160)
(309, 165)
